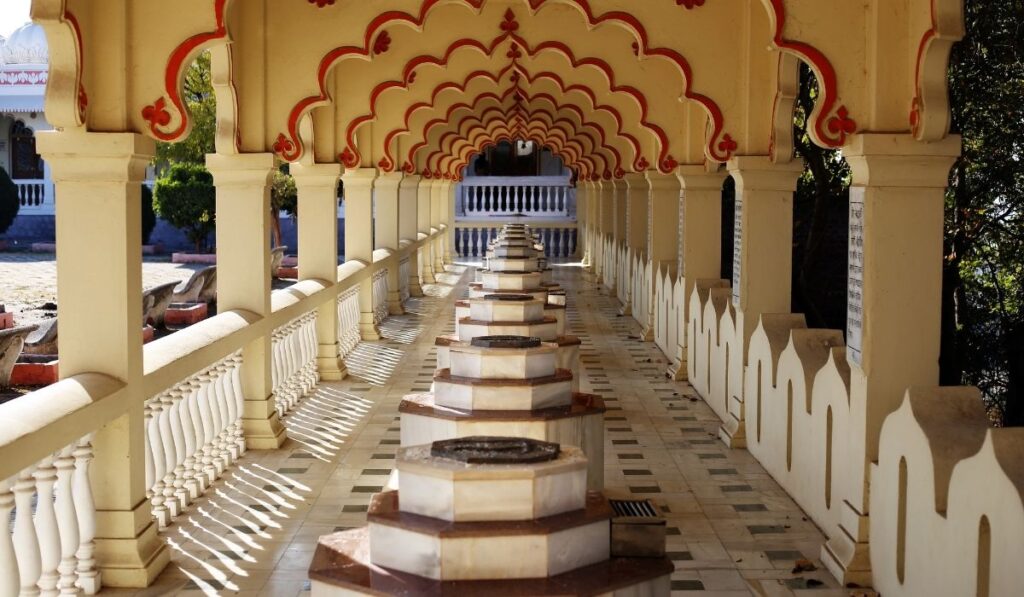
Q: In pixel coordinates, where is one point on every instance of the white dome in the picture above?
(26, 45)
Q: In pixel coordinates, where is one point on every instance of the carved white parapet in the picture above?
(947, 499)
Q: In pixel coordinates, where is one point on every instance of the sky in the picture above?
(13, 14)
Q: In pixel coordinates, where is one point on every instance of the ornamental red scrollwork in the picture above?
(509, 24)
(322, 3)
(642, 164)
(669, 164)
(382, 44)
(408, 168)
(690, 4)
(841, 125)
(349, 158)
(728, 145)
(156, 114)
(282, 146)
(385, 165)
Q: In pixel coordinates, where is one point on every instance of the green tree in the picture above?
(283, 196)
(983, 275)
(185, 197)
(148, 214)
(9, 203)
(202, 106)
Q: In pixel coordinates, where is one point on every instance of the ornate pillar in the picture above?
(436, 219)
(317, 186)
(606, 240)
(385, 223)
(893, 306)
(408, 225)
(448, 190)
(700, 244)
(662, 235)
(359, 239)
(762, 264)
(582, 222)
(99, 299)
(424, 223)
(637, 196)
(243, 278)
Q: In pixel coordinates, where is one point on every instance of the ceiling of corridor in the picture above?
(419, 86)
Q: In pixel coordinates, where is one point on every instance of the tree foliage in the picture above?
(284, 196)
(202, 106)
(983, 281)
(9, 203)
(186, 198)
(148, 214)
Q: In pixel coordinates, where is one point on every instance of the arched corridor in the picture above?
(765, 441)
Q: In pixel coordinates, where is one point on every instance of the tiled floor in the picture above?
(732, 530)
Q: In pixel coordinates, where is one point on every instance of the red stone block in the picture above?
(148, 333)
(288, 272)
(182, 315)
(34, 374)
(6, 320)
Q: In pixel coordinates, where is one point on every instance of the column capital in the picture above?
(243, 169)
(359, 177)
(390, 180)
(618, 184)
(80, 156)
(901, 161)
(698, 178)
(636, 180)
(316, 175)
(662, 182)
(411, 181)
(761, 173)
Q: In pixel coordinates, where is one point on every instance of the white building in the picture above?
(23, 75)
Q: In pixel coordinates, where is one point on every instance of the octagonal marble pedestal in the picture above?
(514, 265)
(509, 311)
(491, 280)
(512, 251)
(567, 354)
(475, 394)
(341, 567)
(580, 424)
(546, 329)
(455, 491)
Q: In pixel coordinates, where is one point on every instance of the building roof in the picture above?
(26, 45)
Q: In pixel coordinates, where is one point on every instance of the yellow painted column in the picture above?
(582, 223)
(606, 273)
(408, 227)
(449, 188)
(436, 221)
(99, 299)
(762, 264)
(637, 195)
(385, 222)
(700, 245)
(662, 236)
(317, 186)
(358, 184)
(893, 306)
(620, 197)
(243, 278)
(424, 224)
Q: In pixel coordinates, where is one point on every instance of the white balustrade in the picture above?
(47, 546)
(193, 434)
(558, 241)
(293, 361)
(380, 295)
(348, 321)
(35, 196)
(403, 279)
(493, 196)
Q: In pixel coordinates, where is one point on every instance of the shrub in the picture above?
(148, 215)
(186, 198)
(9, 203)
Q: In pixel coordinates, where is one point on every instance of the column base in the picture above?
(647, 332)
(626, 309)
(733, 433)
(368, 330)
(428, 276)
(849, 559)
(415, 290)
(395, 303)
(438, 267)
(677, 371)
(264, 434)
(331, 368)
(128, 562)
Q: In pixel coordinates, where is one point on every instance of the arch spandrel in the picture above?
(527, 129)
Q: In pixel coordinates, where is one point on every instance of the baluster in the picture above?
(155, 441)
(67, 521)
(9, 575)
(178, 436)
(170, 457)
(225, 443)
(235, 362)
(190, 433)
(216, 444)
(81, 493)
(46, 528)
(195, 412)
(26, 544)
(209, 470)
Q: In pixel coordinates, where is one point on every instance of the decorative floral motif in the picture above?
(437, 174)
(669, 164)
(408, 168)
(842, 125)
(619, 172)
(349, 158)
(514, 52)
(510, 24)
(156, 114)
(427, 174)
(83, 101)
(283, 146)
(385, 164)
(690, 4)
(322, 3)
(636, 48)
(412, 78)
(383, 43)
(727, 145)
(642, 164)
(607, 175)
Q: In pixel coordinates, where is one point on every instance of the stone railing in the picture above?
(35, 197)
(404, 271)
(945, 509)
(559, 238)
(496, 196)
(190, 408)
(55, 547)
(380, 295)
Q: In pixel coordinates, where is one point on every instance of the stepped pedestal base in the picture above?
(581, 424)
(341, 567)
